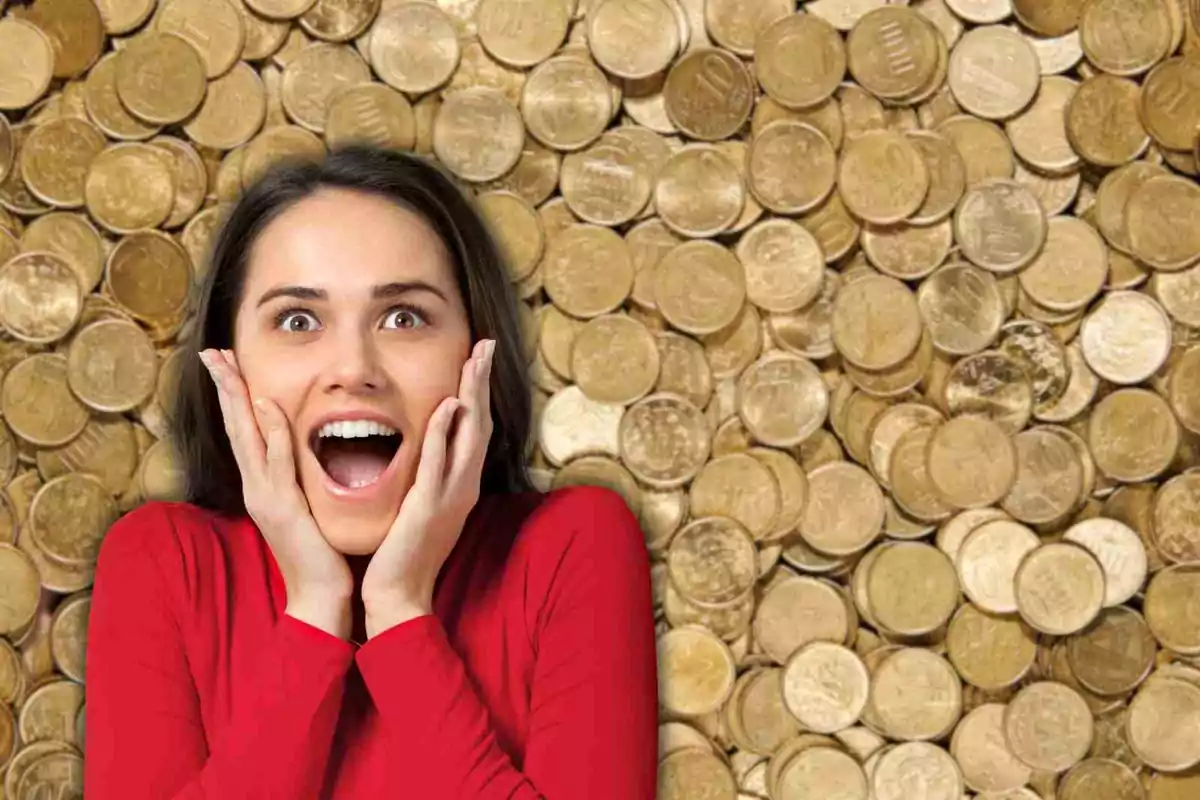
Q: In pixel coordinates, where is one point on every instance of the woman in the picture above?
(363, 597)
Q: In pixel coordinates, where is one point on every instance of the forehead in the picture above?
(346, 241)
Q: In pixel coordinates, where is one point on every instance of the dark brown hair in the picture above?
(197, 430)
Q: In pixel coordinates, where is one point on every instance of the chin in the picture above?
(352, 540)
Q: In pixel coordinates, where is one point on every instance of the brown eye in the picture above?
(294, 321)
(406, 318)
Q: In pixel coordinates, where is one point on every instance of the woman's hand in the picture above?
(398, 584)
(318, 579)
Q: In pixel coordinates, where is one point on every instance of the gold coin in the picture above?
(799, 60)
(845, 509)
(1048, 726)
(414, 47)
(912, 588)
(55, 157)
(1161, 216)
(69, 517)
(105, 108)
(984, 147)
(148, 274)
(588, 270)
(1071, 268)
(22, 589)
(1039, 134)
(1167, 597)
(961, 308)
(1169, 107)
(697, 671)
(522, 33)
(781, 399)
(972, 462)
(685, 772)
(338, 21)
(38, 404)
(784, 265)
(994, 73)
(233, 110)
(699, 192)
(1111, 779)
(979, 748)
(1103, 121)
(795, 611)
(791, 167)
(1160, 717)
(907, 252)
(280, 9)
(892, 52)
(684, 368)
(1125, 37)
(699, 287)
(1112, 200)
(130, 186)
(876, 322)
(614, 359)
(882, 177)
(1059, 588)
(191, 179)
(316, 75)
(276, 145)
(664, 440)
(916, 695)
(632, 38)
(517, 228)
(1132, 434)
(988, 560)
(709, 94)
(887, 429)
(111, 366)
(1120, 553)
(947, 176)
(908, 473)
(565, 82)
(1000, 226)
(609, 182)
(1127, 338)
(991, 652)
(1114, 655)
(702, 578)
(160, 78)
(40, 297)
(75, 31)
(26, 63)
(825, 687)
(213, 27)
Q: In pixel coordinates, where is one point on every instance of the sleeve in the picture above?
(145, 735)
(593, 704)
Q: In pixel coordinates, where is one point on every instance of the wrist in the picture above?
(384, 613)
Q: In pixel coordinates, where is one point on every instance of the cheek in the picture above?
(275, 379)
(423, 382)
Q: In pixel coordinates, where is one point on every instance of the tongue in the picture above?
(356, 462)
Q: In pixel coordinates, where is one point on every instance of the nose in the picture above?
(352, 364)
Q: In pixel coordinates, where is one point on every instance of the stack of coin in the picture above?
(883, 317)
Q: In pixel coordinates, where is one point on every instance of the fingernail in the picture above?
(481, 365)
(204, 358)
(491, 349)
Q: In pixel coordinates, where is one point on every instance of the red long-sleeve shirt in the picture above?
(535, 677)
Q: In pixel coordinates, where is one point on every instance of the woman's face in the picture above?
(351, 309)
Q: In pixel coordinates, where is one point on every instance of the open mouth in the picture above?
(355, 462)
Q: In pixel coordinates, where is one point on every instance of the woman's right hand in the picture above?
(318, 578)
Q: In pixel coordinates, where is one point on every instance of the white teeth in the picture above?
(355, 429)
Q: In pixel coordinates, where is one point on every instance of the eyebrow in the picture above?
(379, 291)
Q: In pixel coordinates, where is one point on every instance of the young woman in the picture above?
(363, 596)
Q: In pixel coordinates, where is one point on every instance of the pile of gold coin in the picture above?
(883, 317)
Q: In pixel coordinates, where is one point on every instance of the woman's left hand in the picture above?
(398, 583)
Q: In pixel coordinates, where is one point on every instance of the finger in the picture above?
(241, 424)
(433, 450)
(470, 441)
(280, 460)
(218, 379)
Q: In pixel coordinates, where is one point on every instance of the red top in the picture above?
(535, 677)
